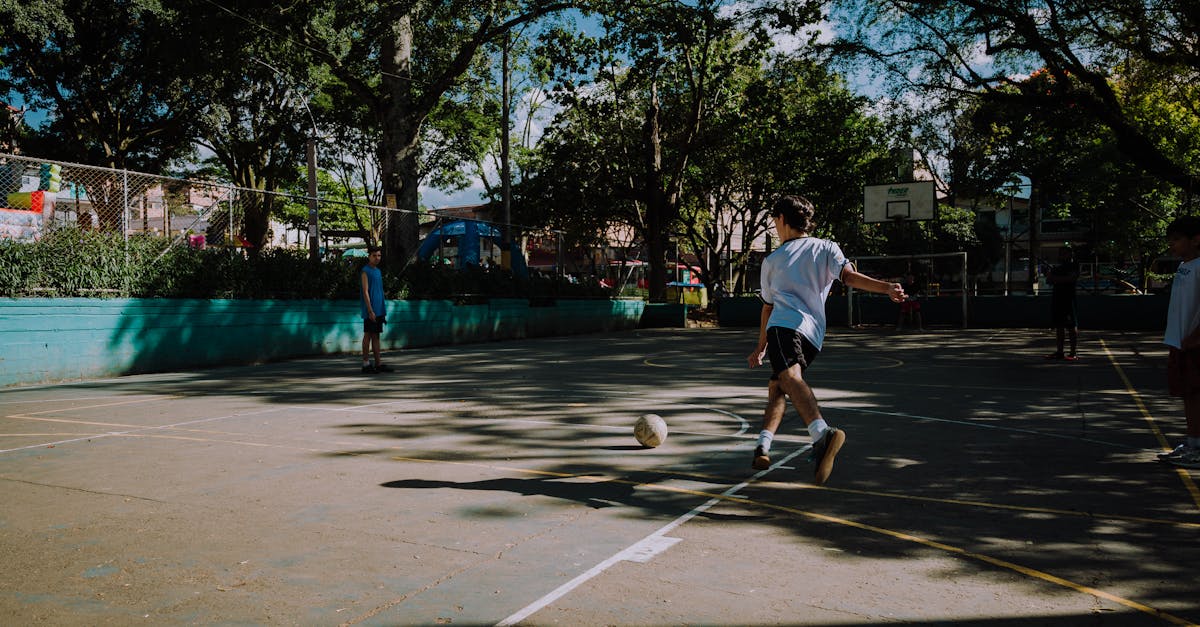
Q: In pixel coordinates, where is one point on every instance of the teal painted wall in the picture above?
(54, 339)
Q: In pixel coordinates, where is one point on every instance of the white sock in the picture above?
(816, 428)
(764, 440)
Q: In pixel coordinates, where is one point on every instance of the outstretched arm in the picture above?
(860, 281)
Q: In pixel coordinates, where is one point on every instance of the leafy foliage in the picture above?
(934, 48)
(1073, 163)
(71, 262)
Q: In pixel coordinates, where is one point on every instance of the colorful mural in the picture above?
(27, 210)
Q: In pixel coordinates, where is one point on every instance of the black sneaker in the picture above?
(384, 368)
(824, 451)
(369, 369)
(761, 460)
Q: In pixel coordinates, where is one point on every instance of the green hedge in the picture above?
(69, 262)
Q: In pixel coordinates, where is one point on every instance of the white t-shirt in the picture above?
(795, 281)
(1183, 314)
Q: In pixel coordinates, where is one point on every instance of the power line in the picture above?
(322, 53)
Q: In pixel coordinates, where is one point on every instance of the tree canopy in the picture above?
(672, 119)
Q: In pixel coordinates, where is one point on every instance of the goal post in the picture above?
(930, 278)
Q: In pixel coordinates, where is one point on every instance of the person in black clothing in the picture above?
(1063, 311)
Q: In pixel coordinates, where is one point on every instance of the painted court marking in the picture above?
(970, 423)
(654, 543)
(658, 541)
(640, 551)
(140, 430)
(1183, 474)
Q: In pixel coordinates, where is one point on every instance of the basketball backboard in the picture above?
(899, 202)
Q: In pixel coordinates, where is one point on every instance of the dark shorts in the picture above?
(1183, 372)
(1062, 312)
(786, 348)
(374, 327)
(910, 306)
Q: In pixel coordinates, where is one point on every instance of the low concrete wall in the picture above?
(54, 339)
(664, 315)
(1096, 311)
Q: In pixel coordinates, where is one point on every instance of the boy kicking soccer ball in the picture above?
(796, 279)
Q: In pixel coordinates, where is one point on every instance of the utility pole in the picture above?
(314, 235)
(505, 169)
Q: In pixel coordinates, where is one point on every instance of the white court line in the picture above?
(39, 401)
(139, 430)
(638, 551)
(978, 425)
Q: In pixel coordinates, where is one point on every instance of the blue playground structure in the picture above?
(467, 238)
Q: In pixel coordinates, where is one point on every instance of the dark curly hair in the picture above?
(797, 212)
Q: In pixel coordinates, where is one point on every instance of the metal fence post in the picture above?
(125, 221)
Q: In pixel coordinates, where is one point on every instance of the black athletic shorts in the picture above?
(374, 327)
(787, 347)
(1183, 371)
(1062, 311)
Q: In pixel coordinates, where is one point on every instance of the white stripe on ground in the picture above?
(138, 430)
(640, 551)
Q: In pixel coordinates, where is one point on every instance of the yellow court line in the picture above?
(1013, 508)
(1183, 474)
(1024, 570)
(1098, 516)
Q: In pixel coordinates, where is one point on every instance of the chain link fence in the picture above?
(37, 196)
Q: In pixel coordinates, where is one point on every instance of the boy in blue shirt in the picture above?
(374, 311)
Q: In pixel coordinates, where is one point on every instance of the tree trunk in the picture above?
(657, 211)
(398, 145)
(1035, 226)
(256, 217)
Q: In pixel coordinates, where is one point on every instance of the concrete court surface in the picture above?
(500, 484)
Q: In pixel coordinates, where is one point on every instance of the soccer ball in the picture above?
(650, 430)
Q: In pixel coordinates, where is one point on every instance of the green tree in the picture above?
(400, 61)
(795, 129)
(266, 104)
(1073, 165)
(110, 74)
(933, 46)
(636, 110)
(340, 208)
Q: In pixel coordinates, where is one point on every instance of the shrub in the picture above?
(72, 262)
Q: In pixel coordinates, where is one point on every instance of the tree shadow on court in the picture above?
(987, 452)
(589, 489)
(963, 444)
